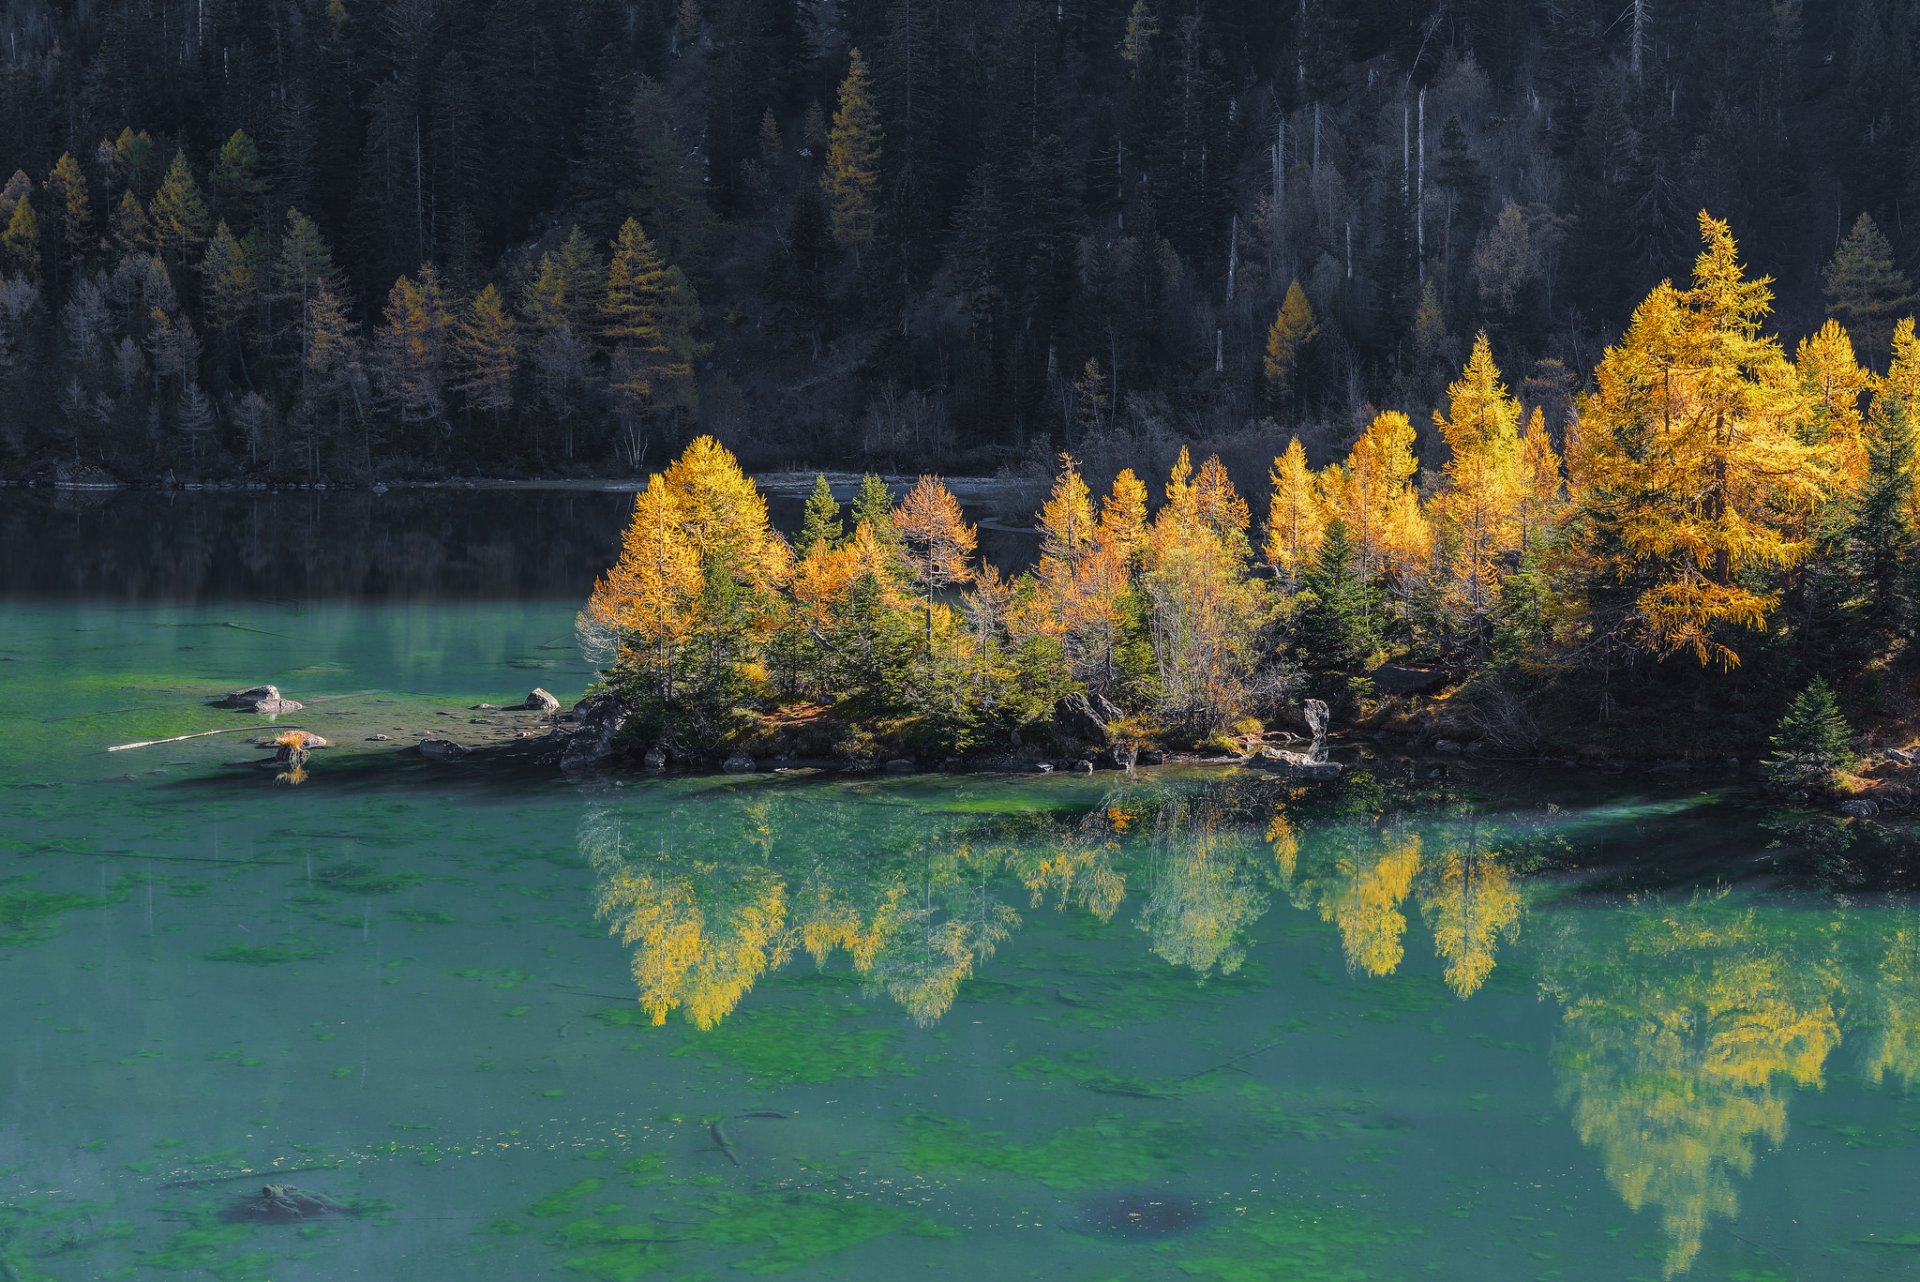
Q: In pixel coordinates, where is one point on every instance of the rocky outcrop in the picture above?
(1318, 717)
(441, 749)
(1860, 808)
(540, 701)
(598, 719)
(900, 766)
(266, 700)
(1086, 718)
(738, 763)
(655, 761)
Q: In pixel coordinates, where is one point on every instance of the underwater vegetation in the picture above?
(1112, 1150)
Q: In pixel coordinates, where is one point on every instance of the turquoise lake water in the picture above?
(1184, 1024)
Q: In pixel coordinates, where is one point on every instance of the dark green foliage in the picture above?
(1882, 536)
(1338, 626)
(1810, 745)
(822, 522)
(1043, 200)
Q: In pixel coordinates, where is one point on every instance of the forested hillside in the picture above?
(305, 239)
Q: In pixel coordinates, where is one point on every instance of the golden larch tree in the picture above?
(1692, 479)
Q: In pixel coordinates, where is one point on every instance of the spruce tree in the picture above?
(1335, 632)
(852, 178)
(1810, 742)
(822, 522)
(1882, 536)
(1866, 291)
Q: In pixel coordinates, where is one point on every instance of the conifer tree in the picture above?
(1480, 506)
(1883, 537)
(1292, 329)
(1296, 522)
(873, 508)
(821, 523)
(238, 183)
(1810, 745)
(20, 242)
(1691, 481)
(940, 544)
(409, 352)
(1136, 43)
(130, 234)
(852, 177)
(487, 346)
(1865, 289)
(228, 282)
(1335, 633)
(72, 207)
(643, 317)
(178, 214)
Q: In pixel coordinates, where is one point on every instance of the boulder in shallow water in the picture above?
(283, 1204)
(600, 718)
(266, 700)
(540, 701)
(738, 763)
(655, 761)
(1860, 808)
(441, 749)
(1317, 716)
(900, 766)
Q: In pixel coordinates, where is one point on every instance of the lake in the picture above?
(500, 1024)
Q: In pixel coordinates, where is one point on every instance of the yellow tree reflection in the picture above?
(1471, 904)
(1203, 895)
(1679, 1045)
(1363, 897)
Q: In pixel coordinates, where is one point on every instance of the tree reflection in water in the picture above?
(1686, 1019)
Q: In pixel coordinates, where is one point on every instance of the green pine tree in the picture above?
(822, 522)
(1882, 535)
(1335, 633)
(1810, 743)
(1866, 291)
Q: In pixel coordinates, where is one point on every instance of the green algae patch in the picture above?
(208, 1247)
(1079, 1069)
(616, 1252)
(424, 916)
(284, 953)
(564, 1202)
(28, 916)
(804, 1228)
(800, 1044)
(1113, 1150)
(358, 877)
(1294, 1242)
(38, 1228)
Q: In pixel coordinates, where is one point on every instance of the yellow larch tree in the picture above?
(1542, 487)
(1833, 387)
(1479, 506)
(643, 607)
(1691, 480)
(940, 544)
(852, 177)
(1296, 523)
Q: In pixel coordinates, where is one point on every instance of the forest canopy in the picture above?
(1718, 502)
(340, 239)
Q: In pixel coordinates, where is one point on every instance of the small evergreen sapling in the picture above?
(1810, 743)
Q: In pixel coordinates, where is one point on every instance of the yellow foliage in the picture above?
(1296, 525)
(1687, 467)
